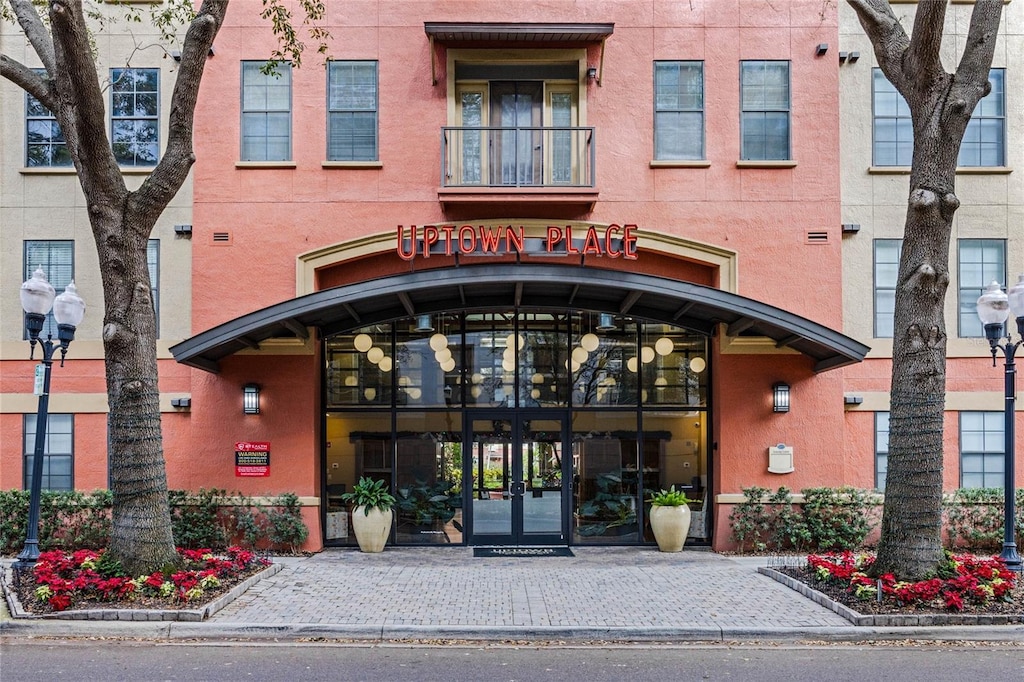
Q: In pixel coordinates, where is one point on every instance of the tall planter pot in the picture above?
(670, 526)
(371, 529)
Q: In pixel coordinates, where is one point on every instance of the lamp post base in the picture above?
(1011, 558)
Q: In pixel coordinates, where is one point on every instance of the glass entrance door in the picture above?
(518, 469)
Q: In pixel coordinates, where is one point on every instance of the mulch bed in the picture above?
(26, 588)
(891, 607)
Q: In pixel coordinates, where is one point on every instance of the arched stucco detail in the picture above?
(724, 261)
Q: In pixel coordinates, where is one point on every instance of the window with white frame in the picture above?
(45, 145)
(266, 112)
(153, 264)
(57, 259)
(984, 143)
(981, 262)
(678, 110)
(765, 110)
(135, 116)
(58, 452)
(982, 449)
(881, 449)
(887, 266)
(352, 111)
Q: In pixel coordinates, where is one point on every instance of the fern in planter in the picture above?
(370, 494)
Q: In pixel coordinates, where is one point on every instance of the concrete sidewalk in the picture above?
(602, 593)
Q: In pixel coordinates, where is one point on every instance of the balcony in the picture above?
(520, 165)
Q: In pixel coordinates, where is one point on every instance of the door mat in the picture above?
(518, 552)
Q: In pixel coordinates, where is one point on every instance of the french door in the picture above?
(519, 473)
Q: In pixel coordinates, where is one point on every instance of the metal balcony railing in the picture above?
(528, 157)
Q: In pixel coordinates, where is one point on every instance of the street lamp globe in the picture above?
(68, 307)
(993, 305)
(1016, 297)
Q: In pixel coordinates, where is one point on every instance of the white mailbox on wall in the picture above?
(780, 459)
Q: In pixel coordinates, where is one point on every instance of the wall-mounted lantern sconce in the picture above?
(821, 49)
(423, 324)
(251, 399)
(591, 73)
(780, 393)
(605, 323)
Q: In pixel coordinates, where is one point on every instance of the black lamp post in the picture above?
(994, 308)
(37, 298)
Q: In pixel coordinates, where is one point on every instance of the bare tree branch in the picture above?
(981, 38)
(38, 37)
(888, 38)
(165, 180)
(922, 59)
(28, 80)
(80, 101)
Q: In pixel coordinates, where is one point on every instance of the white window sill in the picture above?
(960, 170)
(48, 170)
(352, 164)
(680, 163)
(264, 164)
(786, 163)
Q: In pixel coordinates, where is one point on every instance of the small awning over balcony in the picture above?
(510, 286)
(518, 34)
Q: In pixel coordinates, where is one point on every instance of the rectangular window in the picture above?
(887, 265)
(765, 108)
(266, 113)
(58, 452)
(893, 132)
(981, 262)
(982, 449)
(984, 143)
(678, 110)
(135, 116)
(153, 263)
(44, 141)
(57, 259)
(881, 449)
(352, 111)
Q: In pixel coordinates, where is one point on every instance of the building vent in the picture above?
(817, 237)
(222, 238)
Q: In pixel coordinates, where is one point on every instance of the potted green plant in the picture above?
(372, 513)
(426, 508)
(670, 518)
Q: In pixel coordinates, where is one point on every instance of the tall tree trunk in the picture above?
(940, 107)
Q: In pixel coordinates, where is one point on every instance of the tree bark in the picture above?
(122, 222)
(940, 105)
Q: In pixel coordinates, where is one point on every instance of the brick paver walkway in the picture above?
(599, 587)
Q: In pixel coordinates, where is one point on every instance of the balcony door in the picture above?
(518, 468)
(518, 134)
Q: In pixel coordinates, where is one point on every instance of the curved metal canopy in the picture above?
(508, 286)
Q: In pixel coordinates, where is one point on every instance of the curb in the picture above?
(927, 620)
(371, 633)
(133, 615)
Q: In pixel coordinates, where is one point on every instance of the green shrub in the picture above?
(284, 520)
(751, 521)
(196, 518)
(974, 518)
(837, 518)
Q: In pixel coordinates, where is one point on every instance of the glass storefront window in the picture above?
(428, 475)
(359, 367)
(674, 455)
(428, 366)
(543, 377)
(606, 481)
(491, 349)
(357, 444)
(603, 361)
(674, 366)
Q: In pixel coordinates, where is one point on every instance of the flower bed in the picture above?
(966, 581)
(85, 577)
